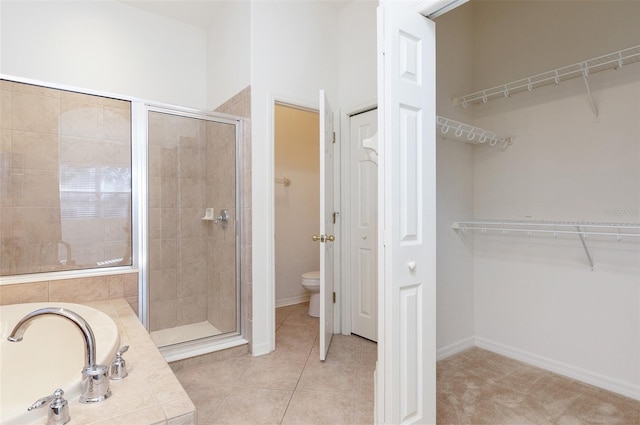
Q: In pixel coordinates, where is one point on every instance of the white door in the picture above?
(364, 227)
(327, 218)
(406, 372)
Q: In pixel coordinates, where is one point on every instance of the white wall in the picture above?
(297, 206)
(358, 60)
(454, 191)
(228, 50)
(293, 55)
(536, 297)
(105, 46)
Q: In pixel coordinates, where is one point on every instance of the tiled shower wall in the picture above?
(192, 166)
(240, 105)
(65, 180)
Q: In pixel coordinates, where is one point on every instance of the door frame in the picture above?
(345, 212)
(274, 99)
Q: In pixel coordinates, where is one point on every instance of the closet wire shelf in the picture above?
(582, 229)
(609, 61)
(470, 133)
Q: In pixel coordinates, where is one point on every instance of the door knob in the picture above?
(411, 265)
(316, 238)
(330, 238)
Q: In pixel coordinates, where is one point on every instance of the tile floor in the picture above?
(291, 386)
(288, 386)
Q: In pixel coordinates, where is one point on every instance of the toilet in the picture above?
(311, 282)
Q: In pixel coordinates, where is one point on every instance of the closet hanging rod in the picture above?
(468, 133)
(613, 60)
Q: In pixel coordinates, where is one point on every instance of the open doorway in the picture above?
(296, 200)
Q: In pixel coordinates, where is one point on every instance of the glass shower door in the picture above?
(193, 248)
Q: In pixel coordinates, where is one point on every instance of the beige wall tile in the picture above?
(163, 130)
(117, 124)
(192, 282)
(169, 192)
(191, 310)
(116, 286)
(130, 281)
(24, 293)
(83, 230)
(192, 193)
(169, 162)
(40, 150)
(36, 188)
(79, 290)
(155, 161)
(37, 225)
(117, 229)
(81, 120)
(191, 133)
(35, 113)
(35, 90)
(88, 99)
(117, 153)
(5, 109)
(116, 103)
(81, 151)
(192, 164)
(163, 285)
(162, 315)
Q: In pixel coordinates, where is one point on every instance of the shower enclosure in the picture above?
(193, 229)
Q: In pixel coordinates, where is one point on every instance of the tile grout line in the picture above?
(298, 381)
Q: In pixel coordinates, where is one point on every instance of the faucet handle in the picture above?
(119, 365)
(58, 408)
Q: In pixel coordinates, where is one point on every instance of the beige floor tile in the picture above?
(273, 373)
(250, 406)
(335, 378)
(310, 408)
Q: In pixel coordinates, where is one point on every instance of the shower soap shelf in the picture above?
(582, 229)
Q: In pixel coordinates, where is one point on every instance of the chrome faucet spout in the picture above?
(95, 377)
(89, 339)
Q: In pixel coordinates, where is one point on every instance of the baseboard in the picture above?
(455, 348)
(283, 302)
(610, 384)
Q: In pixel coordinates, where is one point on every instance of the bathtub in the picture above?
(50, 356)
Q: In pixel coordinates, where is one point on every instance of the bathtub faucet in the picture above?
(95, 378)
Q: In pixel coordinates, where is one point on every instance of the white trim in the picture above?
(434, 8)
(283, 302)
(66, 274)
(345, 215)
(264, 305)
(626, 389)
(455, 348)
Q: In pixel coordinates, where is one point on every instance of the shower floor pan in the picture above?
(179, 334)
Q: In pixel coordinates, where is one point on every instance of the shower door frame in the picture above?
(140, 114)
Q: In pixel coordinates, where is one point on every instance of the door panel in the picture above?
(406, 95)
(326, 225)
(364, 227)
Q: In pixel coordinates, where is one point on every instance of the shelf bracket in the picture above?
(585, 72)
(586, 250)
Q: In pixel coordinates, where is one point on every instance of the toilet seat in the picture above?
(311, 278)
